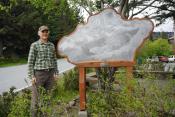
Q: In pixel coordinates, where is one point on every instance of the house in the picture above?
(171, 40)
(165, 35)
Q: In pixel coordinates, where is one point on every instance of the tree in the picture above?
(20, 20)
(58, 14)
(16, 28)
(159, 47)
(125, 7)
(163, 9)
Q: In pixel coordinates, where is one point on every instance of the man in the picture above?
(42, 66)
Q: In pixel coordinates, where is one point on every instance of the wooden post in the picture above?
(82, 77)
(82, 88)
(129, 75)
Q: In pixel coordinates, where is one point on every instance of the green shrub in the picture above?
(159, 47)
(21, 105)
(71, 80)
(53, 103)
(6, 100)
(149, 97)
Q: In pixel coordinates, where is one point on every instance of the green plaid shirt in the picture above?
(41, 56)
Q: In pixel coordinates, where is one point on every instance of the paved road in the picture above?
(17, 75)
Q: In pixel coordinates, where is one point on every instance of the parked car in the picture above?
(171, 58)
(163, 59)
(152, 59)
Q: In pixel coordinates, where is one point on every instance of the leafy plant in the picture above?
(21, 105)
(6, 100)
(159, 47)
(71, 80)
(51, 103)
(149, 97)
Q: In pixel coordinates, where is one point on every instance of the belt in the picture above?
(45, 69)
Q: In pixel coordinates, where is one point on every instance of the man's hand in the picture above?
(33, 80)
(55, 76)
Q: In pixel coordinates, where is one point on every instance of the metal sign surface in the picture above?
(105, 37)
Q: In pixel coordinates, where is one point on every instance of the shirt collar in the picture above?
(40, 42)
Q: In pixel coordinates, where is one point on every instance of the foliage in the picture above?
(21, 105)
(147, 97)
(16, 28)
(52, 103)
(20, 20)
(130, 8)
(6, 100)
(11, 62)
(59, 92)
(59, 16)
(159, 47)
(71, 80)
(164, 9)
(105, 78)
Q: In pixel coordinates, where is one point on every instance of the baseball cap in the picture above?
(42, 28)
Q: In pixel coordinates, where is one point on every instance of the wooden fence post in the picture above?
(82, 88)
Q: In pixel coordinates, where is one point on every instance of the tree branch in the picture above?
(132, 10)
(171, 1)
(162, 17)
(142, 9)
(158, 7)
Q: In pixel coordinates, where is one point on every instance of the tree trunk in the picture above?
(102, 4)
(122, 2)
(89, 5)
(123, 10)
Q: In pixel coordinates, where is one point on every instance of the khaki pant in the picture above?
(45, 79)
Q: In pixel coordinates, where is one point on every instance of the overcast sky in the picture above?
(167, 26)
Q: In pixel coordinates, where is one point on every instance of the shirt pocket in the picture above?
(51, 52)
(41, 54)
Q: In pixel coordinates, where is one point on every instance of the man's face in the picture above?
(44, 34)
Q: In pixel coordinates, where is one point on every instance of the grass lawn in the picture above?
(12, 62)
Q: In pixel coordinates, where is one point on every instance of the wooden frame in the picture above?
(82, 77)
(97, 63)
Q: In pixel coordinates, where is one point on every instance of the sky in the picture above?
(167, 26)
